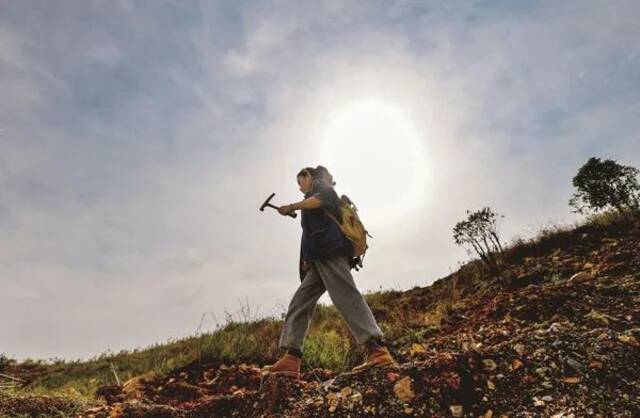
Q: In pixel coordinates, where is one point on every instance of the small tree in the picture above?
(605, 184)
(480, 232)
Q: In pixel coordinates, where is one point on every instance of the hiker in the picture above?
(326, 257)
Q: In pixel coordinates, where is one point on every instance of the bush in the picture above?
(479, 232)
(602, 185)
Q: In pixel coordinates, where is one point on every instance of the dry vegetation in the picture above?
(433, 330)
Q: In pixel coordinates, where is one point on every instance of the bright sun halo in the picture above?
(377, 157)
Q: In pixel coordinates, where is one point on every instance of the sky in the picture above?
(138, 140)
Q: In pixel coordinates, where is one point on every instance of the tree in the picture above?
(605, 184)
(479, 231)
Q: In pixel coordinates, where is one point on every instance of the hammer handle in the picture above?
(292, 214)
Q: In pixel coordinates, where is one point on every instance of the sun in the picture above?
(377, 157)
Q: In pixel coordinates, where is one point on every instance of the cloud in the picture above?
(137, 143)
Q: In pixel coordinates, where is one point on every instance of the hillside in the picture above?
(558, 335)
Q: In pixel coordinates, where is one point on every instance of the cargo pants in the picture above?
(332, 275)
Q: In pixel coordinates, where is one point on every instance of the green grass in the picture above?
(41, 402)
(329, 343)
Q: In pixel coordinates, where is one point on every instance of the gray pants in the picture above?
(333, 275)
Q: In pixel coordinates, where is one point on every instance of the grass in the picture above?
(329, 343)
(40, 402)
(553, 235)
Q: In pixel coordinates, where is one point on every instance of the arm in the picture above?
(309, 203)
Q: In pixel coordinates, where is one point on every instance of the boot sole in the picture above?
(266, 370)
(286, 374)
(390, 364)
(281, 373)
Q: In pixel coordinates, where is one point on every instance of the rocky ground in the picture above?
(559, 336)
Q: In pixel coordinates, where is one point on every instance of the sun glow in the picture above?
(377, 157)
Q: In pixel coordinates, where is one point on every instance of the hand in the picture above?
(285, 209)
(305, 265)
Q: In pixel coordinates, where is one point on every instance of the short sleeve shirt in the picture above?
(328, 196)
(321, 236)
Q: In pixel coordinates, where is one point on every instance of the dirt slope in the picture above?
(559, 336)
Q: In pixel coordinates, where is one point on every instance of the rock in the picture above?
(456, 410)
(629, 339)
(327, 384)
(417, 349)
(516, 364)
(583, 276)
(403, 390)
(575, 364)
(94, 410)
(346, 391)
(489, 364)
(356, 397)
(332, 400)
(134, 388)
(556, 327)
(595, 364)
(519, 348)
(184, 391)
(599, 317)
(451, 379)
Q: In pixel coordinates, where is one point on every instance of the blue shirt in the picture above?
(322, 238)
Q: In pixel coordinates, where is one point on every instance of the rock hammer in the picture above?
(266, 203)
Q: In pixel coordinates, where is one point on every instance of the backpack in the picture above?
(353, 229)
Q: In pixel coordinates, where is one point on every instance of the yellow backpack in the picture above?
(353, 229)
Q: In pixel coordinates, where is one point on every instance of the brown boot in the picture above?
(288, 365)
(378, 357)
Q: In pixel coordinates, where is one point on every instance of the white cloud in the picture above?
(134, 158)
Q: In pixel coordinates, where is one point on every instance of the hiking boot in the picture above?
(379, 357)
(288, 365)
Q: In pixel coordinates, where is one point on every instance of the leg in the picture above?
(337, 278)
(300, 311)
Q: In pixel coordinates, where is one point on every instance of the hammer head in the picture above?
(266, 202)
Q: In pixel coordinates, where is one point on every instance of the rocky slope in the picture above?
(557, 336)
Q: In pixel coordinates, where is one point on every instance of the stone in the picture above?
(356, 397)
(456, 410)
(516, 364)
(489, 364)
(583, 276)
(346, 391)
(403, 390)
(519, 348)
(417, 349)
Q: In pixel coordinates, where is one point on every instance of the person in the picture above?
(325, 255)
